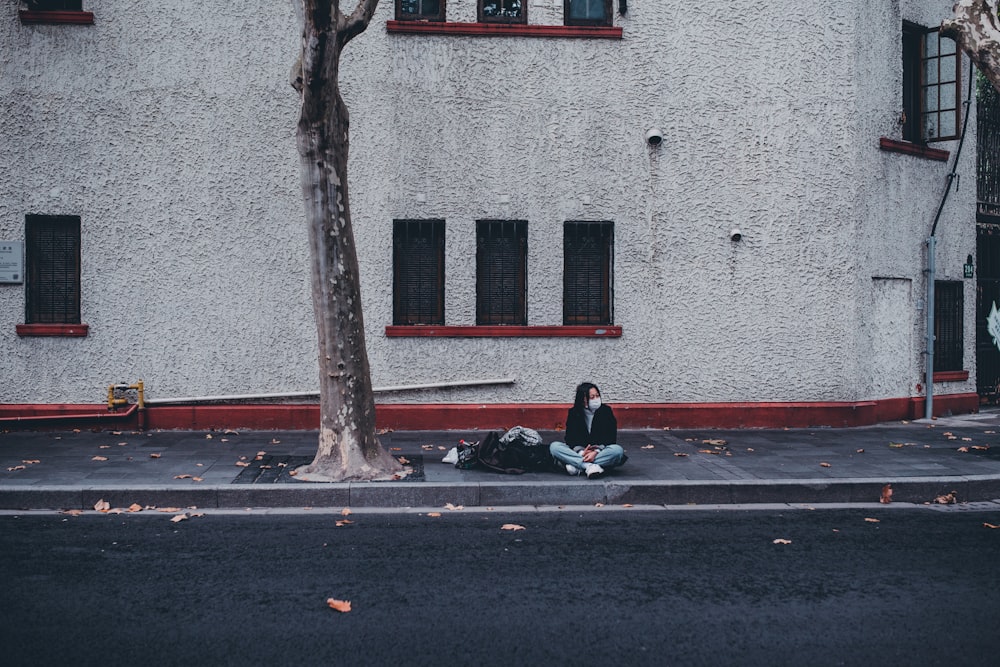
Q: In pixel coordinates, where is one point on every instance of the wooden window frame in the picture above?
(433, 18)
(949, 325)
(585, 309)
(491, 236)
(428, 288)
(505, 20)
(607, 21)
(917, 90)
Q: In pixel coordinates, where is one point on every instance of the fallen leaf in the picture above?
(345, 512)
(105, 447)
(275, 441)
(714, 443)
(990, 525)
(343, 522)
(708, 451)
(395, 449)
(15, 468)
(135, 507)
(243, 464)
(947, 499)
(154, 456)
(511, 526)
(197, 479)
(454, 508)
(30, 461)
(886, 497)
(964, 450)
(680, 454)
(782, 541)
(859, 451)
(116, 510)
(628, 505)
(870, 520)
(168, 510)
(647, 447)
(427, 447)
(72, 512)
(293, 473)
(403, 460)
(182, 476)
(966, 439)
(342, 606)
(179, 517)
(208, 436)
(229, 431)
(751, 449)
(825, 465)
(99, 458)
(978, 448)
(434, 514)
(102, 505)
(598, 504)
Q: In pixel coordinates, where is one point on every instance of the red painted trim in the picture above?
(909, 148)
(67, 330)
(29, 17)
(461, 416)
(502, 30)
(555, 331)
(951, 376)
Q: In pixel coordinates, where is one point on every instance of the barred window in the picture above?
(502, 11)
(588, 264)
(931, 76)
(55, 5)
(52, 269)
(587, 12)
(501, 272)
(420, 10)
(948, 330)
(418, 272)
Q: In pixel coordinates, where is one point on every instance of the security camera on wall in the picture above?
(654, 137)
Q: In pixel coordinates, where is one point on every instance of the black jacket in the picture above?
(603, 430)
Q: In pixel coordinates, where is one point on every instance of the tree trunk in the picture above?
(974, 27)
(348, 448)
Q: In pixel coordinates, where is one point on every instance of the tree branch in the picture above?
(974, 28)
(351, 26)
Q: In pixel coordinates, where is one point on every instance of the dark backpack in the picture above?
(515, 452)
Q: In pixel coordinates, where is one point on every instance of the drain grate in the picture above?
(274, 469)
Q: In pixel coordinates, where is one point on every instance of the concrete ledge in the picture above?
(419, 494)
(284, 495)
(571, 492)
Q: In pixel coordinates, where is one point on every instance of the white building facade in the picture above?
(517, 222)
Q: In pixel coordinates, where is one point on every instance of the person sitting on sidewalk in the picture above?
(591, 435)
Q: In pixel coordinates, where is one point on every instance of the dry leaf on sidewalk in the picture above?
(99, 458)
(782, 541)
(454, 508)
(434, 514)
(947, 499)
(825, 465)
(342, 606)
(886, 497)
(871, 520)
(179, 517)
(511, 526)
(102, 505)
(990, 525)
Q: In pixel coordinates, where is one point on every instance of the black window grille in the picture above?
(501, 272)
(588, 267)
(420, 10)
(587, 12)
(502, 11)
(931, 74)
(52, 275)
(418, 272)
(948, 331)
(987, 148)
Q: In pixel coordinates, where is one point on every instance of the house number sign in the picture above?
(11, 261)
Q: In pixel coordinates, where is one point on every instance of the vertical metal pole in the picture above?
(929, 379)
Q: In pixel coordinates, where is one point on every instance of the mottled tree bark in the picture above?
(974, 28)
(348, 446)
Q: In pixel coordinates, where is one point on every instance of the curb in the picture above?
(917, 490)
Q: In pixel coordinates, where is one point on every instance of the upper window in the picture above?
(420, 10)
(52, 269)
(502, 11)
(501, 272)
(931, 75)
(418, 272)
(55, 5)
(948, 330)
(588, 260)
(587, 12)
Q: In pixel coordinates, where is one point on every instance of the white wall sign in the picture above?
(11, 261)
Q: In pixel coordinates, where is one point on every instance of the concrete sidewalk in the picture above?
(921, 460)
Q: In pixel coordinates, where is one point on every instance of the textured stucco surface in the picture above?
(170, 130)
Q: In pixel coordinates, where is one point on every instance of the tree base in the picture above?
(384, 468)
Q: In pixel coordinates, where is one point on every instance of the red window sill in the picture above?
(66, 330)
(507, 331)
(502, 30)
(909, 148)
(80, 18)
(951, 376)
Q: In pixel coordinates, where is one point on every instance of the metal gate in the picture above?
(987, 241)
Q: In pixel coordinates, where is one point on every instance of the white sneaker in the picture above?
(572, 470)
(593, 470)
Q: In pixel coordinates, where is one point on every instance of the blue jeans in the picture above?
(609, 457)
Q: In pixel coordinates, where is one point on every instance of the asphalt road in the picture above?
(918, 587)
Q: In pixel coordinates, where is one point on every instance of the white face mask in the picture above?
(594, 403)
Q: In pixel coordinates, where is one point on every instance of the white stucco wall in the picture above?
(170, 130)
